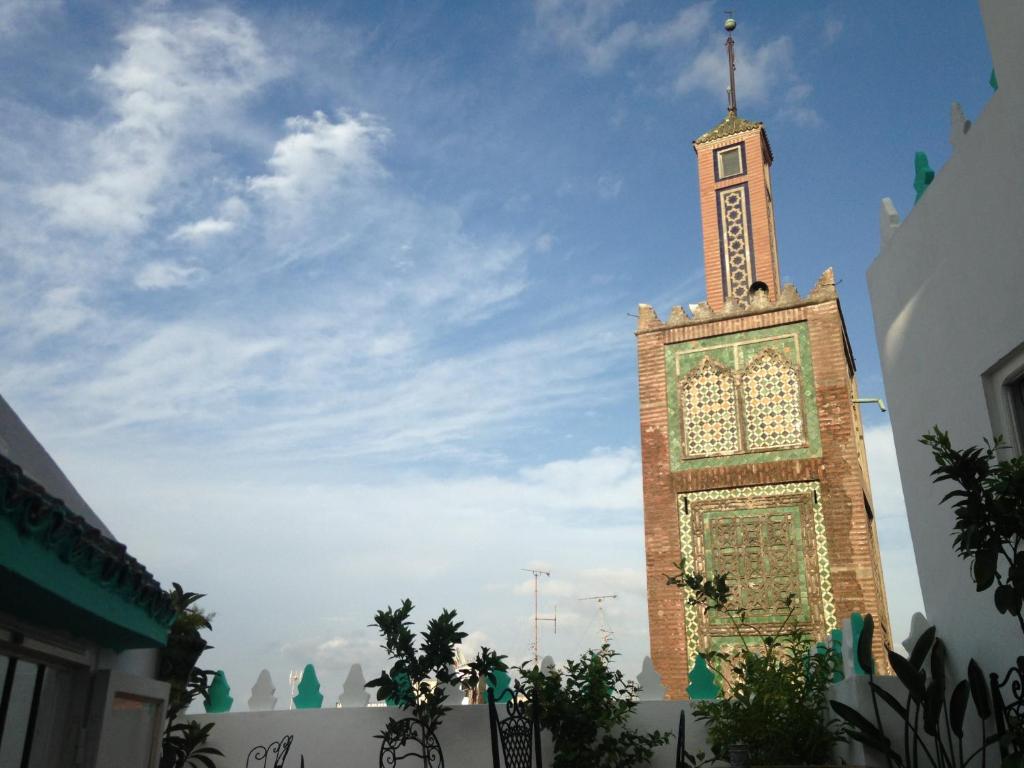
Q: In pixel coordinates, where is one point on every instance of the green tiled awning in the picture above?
(59, 571)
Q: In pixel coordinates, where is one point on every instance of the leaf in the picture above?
(958, 707)
(933, 702)
(861, 723)
(921, 648)
(1004, 598)
(891, 700)
(908, 675)
(864, 645)
(985, 561)
(979, 690)
(939, 668)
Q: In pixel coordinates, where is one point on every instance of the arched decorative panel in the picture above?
(710, 418)
(773, 417)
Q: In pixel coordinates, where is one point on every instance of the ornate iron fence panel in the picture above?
(1009, 710)
(518, 732)
(278, 750)
(405, 739)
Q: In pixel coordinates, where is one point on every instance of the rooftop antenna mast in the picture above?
(730, 25)
(537, 618)
(606, 634)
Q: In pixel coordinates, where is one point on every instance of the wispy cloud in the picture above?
(596, 30)
(765, 73)
(17, 16)
(176, 75)
(165, 274)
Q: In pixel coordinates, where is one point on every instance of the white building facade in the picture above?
(946, 293)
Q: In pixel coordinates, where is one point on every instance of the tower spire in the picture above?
(730, 25)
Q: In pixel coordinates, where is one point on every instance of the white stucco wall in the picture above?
(946, 292)
(343, 737)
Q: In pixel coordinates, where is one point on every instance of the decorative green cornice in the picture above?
(51, 536)
(732, 124)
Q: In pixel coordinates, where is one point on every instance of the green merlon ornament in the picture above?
(218, 697)
(993, 81)
(309, 696)
(502, 687)
(923, 174)
(404, 685)
(837, 652)
(702, 682)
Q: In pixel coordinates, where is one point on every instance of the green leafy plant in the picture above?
(419, 676)
(933, 714)
(587, 709)
(988, 504)
(989, 508)
(776, 686)
(183, 741)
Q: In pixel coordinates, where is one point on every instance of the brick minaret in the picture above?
(753, 450)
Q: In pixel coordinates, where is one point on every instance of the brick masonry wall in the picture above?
(762, 223)
(853, 551)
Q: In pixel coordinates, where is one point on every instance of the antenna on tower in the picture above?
(537, 618)
(606, 634)
(730, 25)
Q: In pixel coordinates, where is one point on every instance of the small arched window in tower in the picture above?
(772, 403)
(757, 287)
(707, 398)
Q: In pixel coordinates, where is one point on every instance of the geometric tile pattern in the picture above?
(760, 549)
(710, 420)
(760, 552)
(772, 403)
(735, 229)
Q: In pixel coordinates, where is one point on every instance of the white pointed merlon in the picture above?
(889, 220)
(262, 698)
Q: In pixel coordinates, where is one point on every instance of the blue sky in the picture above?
(325, 305)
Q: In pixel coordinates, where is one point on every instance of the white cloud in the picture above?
(202, 229)
(18, 15)
(60, 311)
(180, 368)
(764, 75)
(165, 274)
(593, 29)
(232, 212)
(317, 152)
(177, 75)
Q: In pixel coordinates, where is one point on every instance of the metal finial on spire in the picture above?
(730, 25)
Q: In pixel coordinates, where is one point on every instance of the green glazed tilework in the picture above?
(713, 372)
(797, 530)
(762, 550)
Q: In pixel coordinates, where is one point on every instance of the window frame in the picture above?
(720, 174)
(1004, 395)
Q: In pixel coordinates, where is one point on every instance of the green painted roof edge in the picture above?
(44, 541)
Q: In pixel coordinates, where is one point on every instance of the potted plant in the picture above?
(774, 712)
(587, 710)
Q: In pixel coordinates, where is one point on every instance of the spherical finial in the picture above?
(730, 24)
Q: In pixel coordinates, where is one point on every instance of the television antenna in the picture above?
(606, 634)
(537, 618)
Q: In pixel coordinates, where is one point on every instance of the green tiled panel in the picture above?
(734, 351)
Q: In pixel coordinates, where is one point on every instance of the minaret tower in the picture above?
(738, 215)
(753, 451)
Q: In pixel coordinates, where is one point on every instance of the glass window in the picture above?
(21, 685)
(730, 162)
